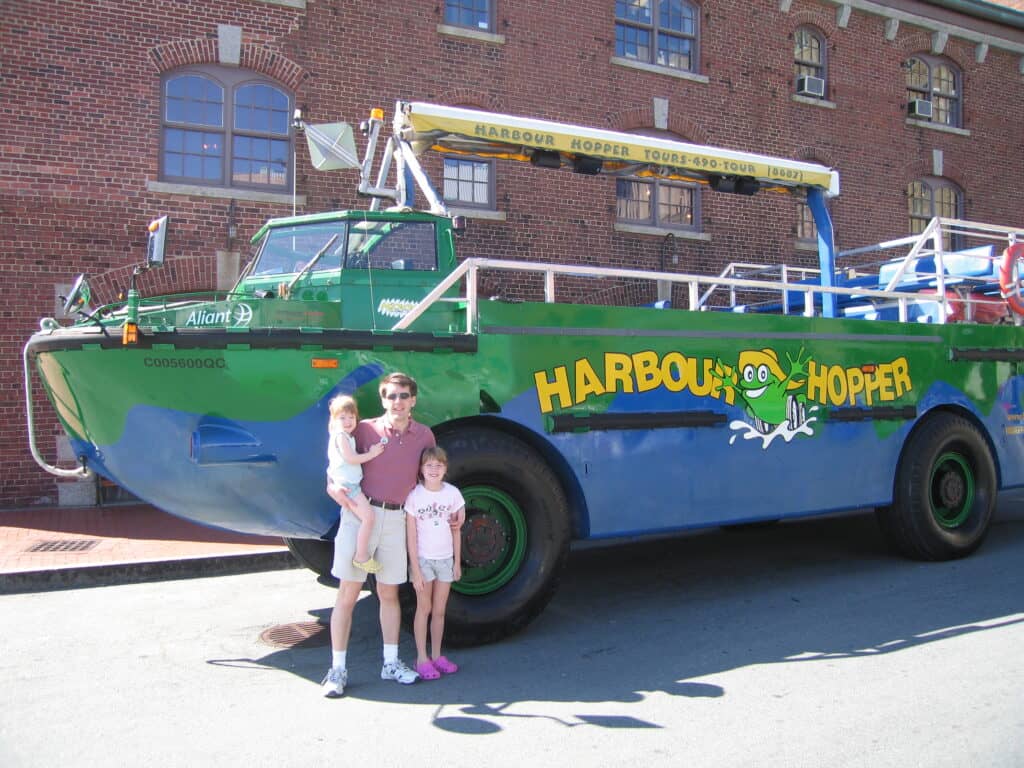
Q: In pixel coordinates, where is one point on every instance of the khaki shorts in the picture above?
(387, 545)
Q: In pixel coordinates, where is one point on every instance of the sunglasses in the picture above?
(398, 396)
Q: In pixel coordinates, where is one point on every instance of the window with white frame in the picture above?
(225, 127)
(469, 183)
(937, 81)
(472, 14)
(660, 32)
(809, 62)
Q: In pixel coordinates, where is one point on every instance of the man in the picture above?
(387, 481)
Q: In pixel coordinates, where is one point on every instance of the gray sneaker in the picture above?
(333, 684)
(396, 670)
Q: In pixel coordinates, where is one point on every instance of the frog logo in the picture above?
(773, 400)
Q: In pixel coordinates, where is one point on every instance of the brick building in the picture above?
(116, 111)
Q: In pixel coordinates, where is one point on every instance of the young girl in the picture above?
(434, 554)
(344, 471)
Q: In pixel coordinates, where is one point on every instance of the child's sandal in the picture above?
(442, 665)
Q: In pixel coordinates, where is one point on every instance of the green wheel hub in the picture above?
(493, 540)
(951, 490)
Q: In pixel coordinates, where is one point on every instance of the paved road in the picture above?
(803, 644)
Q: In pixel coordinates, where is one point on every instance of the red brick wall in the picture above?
(80, 137)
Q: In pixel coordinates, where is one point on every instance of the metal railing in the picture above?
(936, 242)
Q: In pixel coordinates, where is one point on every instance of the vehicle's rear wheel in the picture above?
(515, 540)
(945, 491)
(315, 554)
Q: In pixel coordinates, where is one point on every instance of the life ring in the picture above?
(1009, 284)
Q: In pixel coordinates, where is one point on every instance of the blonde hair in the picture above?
(343, 404)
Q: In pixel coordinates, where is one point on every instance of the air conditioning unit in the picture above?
(810, 86)
(920, 108)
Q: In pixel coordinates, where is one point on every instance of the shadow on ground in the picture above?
(660, 616)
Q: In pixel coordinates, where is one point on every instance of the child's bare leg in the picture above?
(438, 603)
(424, 599)
(361, 508)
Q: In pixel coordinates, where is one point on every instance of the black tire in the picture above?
(945, 491)
(315, 554)
(515, 541)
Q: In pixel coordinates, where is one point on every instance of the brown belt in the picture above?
(383, 504)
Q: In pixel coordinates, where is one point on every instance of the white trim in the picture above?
(813, 102)
(888, 12)
(646, 229)
(196, 190)
(938, 127)
(843, 15)
(299, 4)
(679, 73)
(472, 34)
(488, 214)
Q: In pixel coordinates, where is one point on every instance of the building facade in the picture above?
(115, 112)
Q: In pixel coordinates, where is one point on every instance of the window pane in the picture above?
(261, 108)
(633, 10)
(257, 161)
(468, 13)
(806, 229)
(945, 202)
(467, 182)
(677, 16)
(633, 200)
(675, 206)
(807, 47)
(674, 51)
(632, 43)
(194, 99)
(192, 154)
(944, 81)
(917, 75)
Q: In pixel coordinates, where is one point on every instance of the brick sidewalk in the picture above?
(61, 541)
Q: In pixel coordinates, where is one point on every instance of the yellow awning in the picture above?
(457, 130)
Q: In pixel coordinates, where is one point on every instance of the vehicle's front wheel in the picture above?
(315, 554)
(515, 540)
(945, 491)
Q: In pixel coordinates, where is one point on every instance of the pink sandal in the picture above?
(442, 665)
(427, 671)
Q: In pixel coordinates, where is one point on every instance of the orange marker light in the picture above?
(324, 362)
(129, 333)
(376, 113)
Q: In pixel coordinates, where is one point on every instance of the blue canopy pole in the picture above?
(826, 248)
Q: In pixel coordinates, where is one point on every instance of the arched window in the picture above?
(937, 82)
(661, 32)
(226, 128)
(930, 197)
(809, 70)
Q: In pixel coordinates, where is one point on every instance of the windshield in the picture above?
(288, 249)
(392, 245)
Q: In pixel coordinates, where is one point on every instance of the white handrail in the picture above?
(80, 472)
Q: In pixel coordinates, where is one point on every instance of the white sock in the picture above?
(390, 653)
(338, 659)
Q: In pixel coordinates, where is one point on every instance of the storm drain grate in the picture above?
(303, 634)
(64, 545)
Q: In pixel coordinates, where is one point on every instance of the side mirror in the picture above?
(78, 297)
(459, 225)
(157, 242)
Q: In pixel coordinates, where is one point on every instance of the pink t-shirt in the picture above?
(432, 510)
(391, 476)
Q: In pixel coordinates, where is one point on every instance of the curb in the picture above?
(136, 573)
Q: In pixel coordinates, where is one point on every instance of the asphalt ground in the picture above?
(48, 548)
